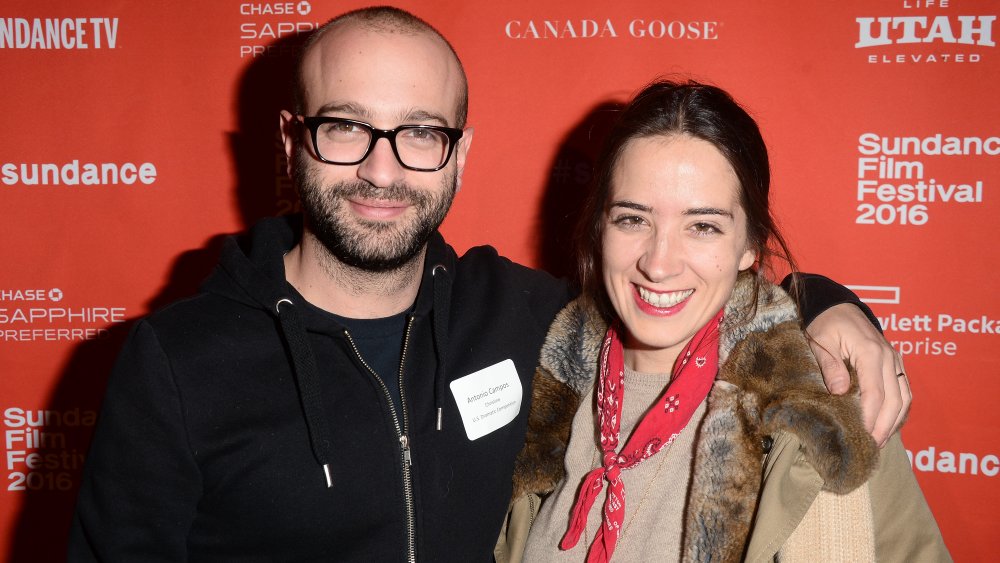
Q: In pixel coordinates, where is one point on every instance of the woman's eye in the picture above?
(628, 221)
(705, 228)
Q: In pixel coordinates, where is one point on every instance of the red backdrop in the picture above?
(136, 134)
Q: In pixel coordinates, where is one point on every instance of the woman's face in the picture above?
(674, 242)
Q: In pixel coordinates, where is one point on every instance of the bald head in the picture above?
(339, 35)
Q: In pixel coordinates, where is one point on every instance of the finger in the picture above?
(835, 373)
(908, 391)
(870, 366)
(907, 394)
(892, 402)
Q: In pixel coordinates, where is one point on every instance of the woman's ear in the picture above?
(749, 257)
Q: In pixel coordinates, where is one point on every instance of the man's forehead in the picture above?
(373, 71)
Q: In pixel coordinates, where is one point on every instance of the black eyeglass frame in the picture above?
(313, 124)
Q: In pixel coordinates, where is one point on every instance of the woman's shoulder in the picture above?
(572, 345)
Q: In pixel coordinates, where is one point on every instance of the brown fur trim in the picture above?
(539, 467)
(572, 346)
(725, 481)
(779, 371)
(566, 371)
(769, 383)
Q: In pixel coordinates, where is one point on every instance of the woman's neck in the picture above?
(644, 359)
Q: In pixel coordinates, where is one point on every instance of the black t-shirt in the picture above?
(380, 342)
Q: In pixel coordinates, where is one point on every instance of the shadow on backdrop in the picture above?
(261, 190)
(570, 180)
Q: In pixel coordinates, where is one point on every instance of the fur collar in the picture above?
(768, 383)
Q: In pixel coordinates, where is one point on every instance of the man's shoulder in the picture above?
(500, 285)
(202, 317)
(485, 263)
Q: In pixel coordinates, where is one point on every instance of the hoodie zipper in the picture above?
(401, 434)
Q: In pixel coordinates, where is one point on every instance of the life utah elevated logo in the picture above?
(927, 32)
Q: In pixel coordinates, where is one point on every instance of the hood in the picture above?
(251, 271)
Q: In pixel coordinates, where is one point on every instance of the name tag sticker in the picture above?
(488, 399)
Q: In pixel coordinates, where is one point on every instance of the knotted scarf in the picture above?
(693, 374)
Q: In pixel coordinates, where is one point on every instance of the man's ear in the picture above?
(461, 153)
(288, 128)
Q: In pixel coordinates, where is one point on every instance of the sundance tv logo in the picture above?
(58, 33)
(926, 34)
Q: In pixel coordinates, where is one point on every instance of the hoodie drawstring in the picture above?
(439, 320)
(307, 382)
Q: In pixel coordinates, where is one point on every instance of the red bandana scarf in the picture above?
(693, 374)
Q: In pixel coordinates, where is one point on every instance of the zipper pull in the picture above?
(404, 442)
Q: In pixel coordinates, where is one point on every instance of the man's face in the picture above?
(377, 237)
(376, 215)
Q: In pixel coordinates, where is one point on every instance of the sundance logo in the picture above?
(76, 173)
(58, 33)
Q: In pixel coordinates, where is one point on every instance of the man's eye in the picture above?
(344, 128)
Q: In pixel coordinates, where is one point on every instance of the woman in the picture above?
(677, 411)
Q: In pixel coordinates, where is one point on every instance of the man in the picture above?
(347, 388)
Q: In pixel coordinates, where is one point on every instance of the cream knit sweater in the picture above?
(654, 490)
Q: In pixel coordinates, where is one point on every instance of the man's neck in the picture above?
(347, 291)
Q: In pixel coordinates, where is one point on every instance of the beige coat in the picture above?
(799, 478)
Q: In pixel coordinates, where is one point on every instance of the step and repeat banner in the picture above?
(136, 135)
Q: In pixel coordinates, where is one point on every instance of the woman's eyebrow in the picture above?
(708, 211)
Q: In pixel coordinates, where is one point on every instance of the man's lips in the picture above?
(378, 209)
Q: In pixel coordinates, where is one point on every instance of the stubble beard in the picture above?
(371, 246)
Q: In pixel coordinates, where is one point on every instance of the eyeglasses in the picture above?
(425, 148)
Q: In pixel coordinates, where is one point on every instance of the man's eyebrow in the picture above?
(363, 112)
(630, 205)
(345, 108)
(420, 115)
(708, 211)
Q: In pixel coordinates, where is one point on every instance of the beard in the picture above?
(373, 246)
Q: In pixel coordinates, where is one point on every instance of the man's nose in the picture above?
(381, 168)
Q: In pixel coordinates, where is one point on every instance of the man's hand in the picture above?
(843, 332)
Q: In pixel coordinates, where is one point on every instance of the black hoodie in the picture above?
(223, 410)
